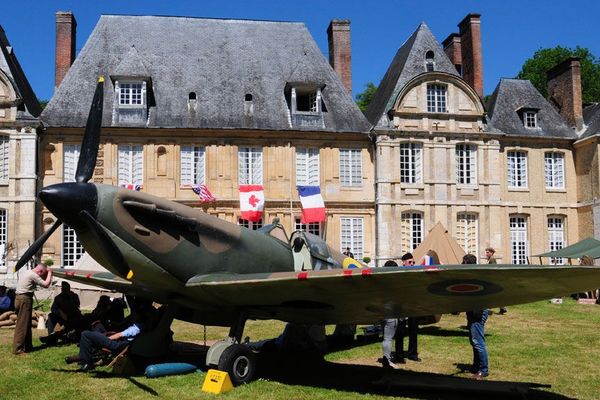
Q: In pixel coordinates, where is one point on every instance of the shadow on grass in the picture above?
(437, 331)
(109, 375)
(315, 372)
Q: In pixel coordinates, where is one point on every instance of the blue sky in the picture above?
(511, 30)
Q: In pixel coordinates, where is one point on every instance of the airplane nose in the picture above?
(67, 200)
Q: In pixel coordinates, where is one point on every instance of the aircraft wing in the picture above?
(368, 295)
(101, 279)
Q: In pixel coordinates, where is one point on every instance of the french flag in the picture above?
(252, 202)
(313, 207)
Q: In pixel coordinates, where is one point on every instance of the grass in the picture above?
(541, 343)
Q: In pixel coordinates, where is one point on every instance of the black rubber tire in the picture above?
(240, 363)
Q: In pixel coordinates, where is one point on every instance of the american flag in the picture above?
(132, 186)
(204, 194)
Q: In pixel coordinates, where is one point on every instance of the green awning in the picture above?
(589, 246)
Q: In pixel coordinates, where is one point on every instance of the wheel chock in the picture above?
(217, 382)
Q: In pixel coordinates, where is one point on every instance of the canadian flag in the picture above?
(252, 202)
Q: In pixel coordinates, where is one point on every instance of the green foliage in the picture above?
(543, 60)
(364, 99)
(49, 262)
(43, 103)
(366, 259)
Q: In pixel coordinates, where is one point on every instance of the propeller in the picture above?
(85, 165)
(109, 249)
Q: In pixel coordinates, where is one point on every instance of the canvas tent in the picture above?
(589, 247)
(439, 240)
(88, 295)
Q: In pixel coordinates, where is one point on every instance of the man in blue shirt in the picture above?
(94, 340)
(5, 302)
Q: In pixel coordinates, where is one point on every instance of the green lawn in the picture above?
(541, 343)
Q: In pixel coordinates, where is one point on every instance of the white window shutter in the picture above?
(186, 172)
(301, 167)
(200, 159)
(70, 160)
(313, 167)
(138, 165)
(243, 165)
(124, 164)
(257, 173)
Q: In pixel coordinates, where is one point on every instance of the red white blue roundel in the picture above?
(464, 287)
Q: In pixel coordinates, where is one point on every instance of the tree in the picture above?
(543, 60)
(363, 99)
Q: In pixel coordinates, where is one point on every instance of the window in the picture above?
(411, 231)
(429, 63)
(517, 169)
(4, 158)
(436, 98)
(554, 170)
(249, 224)
(467, 232)
(307, 167)
(250, 166)
(306, 100)
(352, 236)
(306, 105)
(530, 119)
(518, 239)
(192, 165)
(3, 236)
(410, 162)
(72, 250)
(556, 237)
(466, 164)
(311, 227)
(131, 164)
(350, 167)
(130, 93)
(70, 159)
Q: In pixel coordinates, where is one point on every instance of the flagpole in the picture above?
(292, 222)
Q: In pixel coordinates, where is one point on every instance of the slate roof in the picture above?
(591, 118)
(30, 109)
(408, 62)
(512, 95)
(221, 60)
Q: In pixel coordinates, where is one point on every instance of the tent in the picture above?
(88, 295)
(439, 240)
(589, 246)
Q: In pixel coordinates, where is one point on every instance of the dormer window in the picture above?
(130, 93)
(429, 63)
(305, 105)
(131, 101)
(530, 119)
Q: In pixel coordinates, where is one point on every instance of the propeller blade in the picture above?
(107, 246)
(91, 137)
(37, 245)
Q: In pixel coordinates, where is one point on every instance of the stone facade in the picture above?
(18, 145)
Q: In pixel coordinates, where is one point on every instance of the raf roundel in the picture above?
(466, 287)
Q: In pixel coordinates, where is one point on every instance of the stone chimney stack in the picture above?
(66, 28)
(564, 91)
(340, 52)
(470, 38)
(453, 50)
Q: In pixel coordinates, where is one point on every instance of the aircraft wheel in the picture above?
(240, 363)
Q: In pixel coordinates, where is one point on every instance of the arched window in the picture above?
(429, 62)
(192, 96)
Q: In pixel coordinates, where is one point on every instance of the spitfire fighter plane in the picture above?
(218, 273)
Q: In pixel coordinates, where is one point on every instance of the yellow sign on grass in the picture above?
(217, 382)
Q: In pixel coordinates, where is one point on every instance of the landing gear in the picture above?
(228, 355)
(239, 362)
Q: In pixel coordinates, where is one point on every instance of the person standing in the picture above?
(28, 282)
(348, 253)
(389, 326)
(489, 254)
(476, 326)
(5, 303)
(407, 327)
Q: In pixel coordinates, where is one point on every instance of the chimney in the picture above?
(564, 91)
(453, 50)
(470, 38)
(340, 52)
(65, 45)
